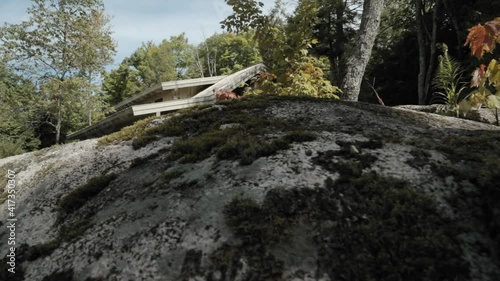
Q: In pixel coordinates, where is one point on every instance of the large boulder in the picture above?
(262, 188)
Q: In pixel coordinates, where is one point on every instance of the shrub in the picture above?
(447, 82)
(9, 147)
(127, 133)
(481, 39)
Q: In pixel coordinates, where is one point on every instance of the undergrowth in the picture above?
(127, 133)
(201, 132)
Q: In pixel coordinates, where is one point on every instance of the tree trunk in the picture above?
(421, 51)
(337, 49)
(59, 117)
(359, 57)
(426, 70)
(91, 105)
(458, 31)
(432, 56)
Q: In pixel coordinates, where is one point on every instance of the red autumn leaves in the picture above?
(482, 38)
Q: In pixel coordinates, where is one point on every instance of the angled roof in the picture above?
(131, 109)
(233, 81)
(164, 86)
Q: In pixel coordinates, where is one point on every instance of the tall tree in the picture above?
(425, 38)
(335, 31)
(61, 43)
(18, 100)
(150, 64)
(225, 53)
(360, 55)
(285, 47)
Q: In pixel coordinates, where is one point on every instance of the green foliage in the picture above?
(9, 147)
(121, 83)
(61, 57)
(78, 197)
(447, 80)
(249, 136)
(485, 81)
(197, 148)
(293, 70)
(18, 104)
(335, 31)
(176, 59)
(226, 53)
(127, 133)
(149, 65)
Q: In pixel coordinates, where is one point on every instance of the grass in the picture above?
(127, 133)
(77, 198)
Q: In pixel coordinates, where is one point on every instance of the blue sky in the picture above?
(134, 22)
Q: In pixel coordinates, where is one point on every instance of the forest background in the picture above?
(55, 76)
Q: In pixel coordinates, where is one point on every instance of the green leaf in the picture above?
(494, 101)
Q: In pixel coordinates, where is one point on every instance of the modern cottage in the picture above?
(166, 97)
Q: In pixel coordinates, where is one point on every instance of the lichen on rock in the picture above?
(300, 189)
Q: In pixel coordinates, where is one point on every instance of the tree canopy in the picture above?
(54, 80)
(61, 46)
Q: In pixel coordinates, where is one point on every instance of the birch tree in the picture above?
(359, 57)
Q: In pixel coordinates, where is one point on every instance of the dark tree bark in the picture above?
(426, 40)
(432, 56)
(421, 51)
(359, 57)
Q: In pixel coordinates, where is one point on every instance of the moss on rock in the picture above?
(77, 198)
(369, 227)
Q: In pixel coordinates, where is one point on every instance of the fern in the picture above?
(447, 81)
